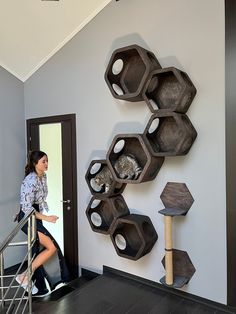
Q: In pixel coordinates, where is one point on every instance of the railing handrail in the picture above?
(10, 237)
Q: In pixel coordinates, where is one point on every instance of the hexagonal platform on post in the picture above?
(102, 213)
(176, 198)
(183, 269)
(127, 72)
(130, 161)
(133, 236)
(101, 181)
(169, 134)
(170, 89)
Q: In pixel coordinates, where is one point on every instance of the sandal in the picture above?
(22, 280)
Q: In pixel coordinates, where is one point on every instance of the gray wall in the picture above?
(12, 156)
(188, 34)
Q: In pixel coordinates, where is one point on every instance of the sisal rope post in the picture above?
(169, 250)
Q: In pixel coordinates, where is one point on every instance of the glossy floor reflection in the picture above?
(112, 294)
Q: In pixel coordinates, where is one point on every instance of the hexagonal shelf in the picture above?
(176, 198)
(169, 134)
(130, 160)
(170, 89)
(101, 181)
(102, 213)
(183, 269)
(127, 72)
(133, 236)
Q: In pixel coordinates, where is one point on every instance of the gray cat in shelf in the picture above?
(127, 167)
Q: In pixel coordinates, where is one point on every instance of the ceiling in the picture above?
(32, 31)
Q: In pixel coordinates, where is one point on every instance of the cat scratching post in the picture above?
(178, 266)
(168, 249)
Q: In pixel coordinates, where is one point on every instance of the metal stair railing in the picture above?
(12, 304)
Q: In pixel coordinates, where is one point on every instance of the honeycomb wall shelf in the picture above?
(169, 134)
(127, 72)
(115, 188)
(169, 88)
(102, 213)
(134, 74)
(133, 145)
(133, 236)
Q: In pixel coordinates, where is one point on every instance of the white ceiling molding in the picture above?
(32, 31)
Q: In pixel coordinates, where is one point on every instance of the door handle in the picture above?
(67, 201)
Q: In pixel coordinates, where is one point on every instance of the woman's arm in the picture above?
(51, 218)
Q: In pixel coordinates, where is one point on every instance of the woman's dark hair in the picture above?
(33, 159)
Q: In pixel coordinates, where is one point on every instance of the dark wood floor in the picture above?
(111, 293)
(114, 294)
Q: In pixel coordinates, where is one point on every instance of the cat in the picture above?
(103, 180)
(127, 167)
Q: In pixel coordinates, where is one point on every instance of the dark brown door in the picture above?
(69, 180)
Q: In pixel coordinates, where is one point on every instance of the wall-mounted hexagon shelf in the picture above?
(177, 199)
(169, 134)
(102, 213)
(183, 269)
(133, 236)
(127, 72)
(169, 88)
(130, 160)
(101, 181)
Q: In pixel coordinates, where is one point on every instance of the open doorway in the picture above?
(56, 136)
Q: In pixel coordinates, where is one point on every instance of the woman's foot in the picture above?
(22, 279)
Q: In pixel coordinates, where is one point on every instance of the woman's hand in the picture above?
(52, 218)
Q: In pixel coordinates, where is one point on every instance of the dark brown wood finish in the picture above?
(139, 234)
(177, 195)
(135, 145)
(69, 180)
(109, 209)
(230, 78)
(116, 292)
(115, 188)
(137, 64)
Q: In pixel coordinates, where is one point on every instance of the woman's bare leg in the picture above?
(41, 258)
(49, 250)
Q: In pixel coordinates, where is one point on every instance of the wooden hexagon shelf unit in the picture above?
(101, 181)
(177, 199)
(183, 269)
(102, 213)
(169, 88)
(126, 147)
(133, 236)
(169, 134)
(127, 72)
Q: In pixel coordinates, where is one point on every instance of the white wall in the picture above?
(12, 158)
(188, 34)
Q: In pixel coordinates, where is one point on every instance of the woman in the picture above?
(46, 264)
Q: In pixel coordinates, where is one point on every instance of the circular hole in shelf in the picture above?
(117, 66)
(120, 242)
(118, 90)
(153, 126)
(95, 186)
(95, 203)
(96, 219)
(119, 146)
(95, 168)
